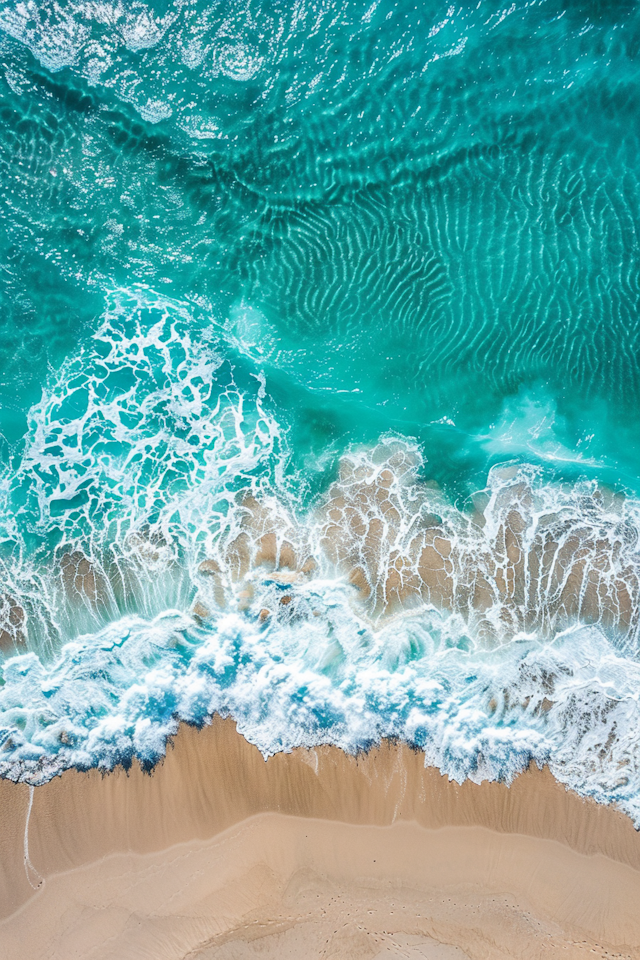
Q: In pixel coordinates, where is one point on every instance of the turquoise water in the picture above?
(275, 247)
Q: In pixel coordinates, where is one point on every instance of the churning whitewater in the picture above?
(174, 570)
(319, 392)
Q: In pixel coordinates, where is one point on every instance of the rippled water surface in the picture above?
(320, 381)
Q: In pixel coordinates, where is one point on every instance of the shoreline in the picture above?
(571, 863)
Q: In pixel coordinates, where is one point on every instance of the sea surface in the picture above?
(320, 381)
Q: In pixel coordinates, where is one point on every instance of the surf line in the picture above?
(28, 866)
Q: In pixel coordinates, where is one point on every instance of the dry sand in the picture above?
(220, 855)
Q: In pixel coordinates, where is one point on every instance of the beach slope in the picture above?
(219, 854)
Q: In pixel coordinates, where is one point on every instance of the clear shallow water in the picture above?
(242, 241)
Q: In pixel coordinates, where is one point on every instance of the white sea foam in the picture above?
(572, 703)
(134, 456)
(158, 567)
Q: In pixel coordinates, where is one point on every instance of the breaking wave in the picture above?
(162, 563)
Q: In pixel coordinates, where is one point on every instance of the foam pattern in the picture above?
(530, 556)
(134, 456)
(480, 714)
(298, 627)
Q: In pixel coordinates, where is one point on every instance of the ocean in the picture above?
(320, 382)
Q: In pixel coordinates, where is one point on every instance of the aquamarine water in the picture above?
(273, 247)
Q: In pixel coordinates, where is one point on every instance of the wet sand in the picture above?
(218, 854)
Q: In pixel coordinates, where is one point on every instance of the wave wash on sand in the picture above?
(218, 856)
(487, 636)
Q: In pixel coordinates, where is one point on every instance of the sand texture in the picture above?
(220, 855)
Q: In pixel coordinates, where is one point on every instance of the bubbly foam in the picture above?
(129, 475)
(314, 672)
(174, 573)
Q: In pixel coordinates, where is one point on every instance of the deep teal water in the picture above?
(348, 220)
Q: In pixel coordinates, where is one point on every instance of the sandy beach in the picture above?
(219, 854)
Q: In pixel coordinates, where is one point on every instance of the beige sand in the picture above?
(313, 854)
